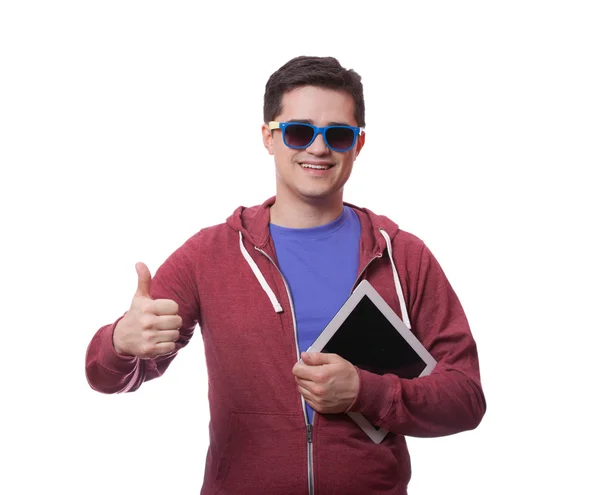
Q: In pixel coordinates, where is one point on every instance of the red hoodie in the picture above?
(225, 279)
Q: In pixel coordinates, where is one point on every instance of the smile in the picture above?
(316, 167)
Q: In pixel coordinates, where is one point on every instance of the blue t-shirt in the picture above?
(320, 266)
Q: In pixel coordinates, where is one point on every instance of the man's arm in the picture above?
(448, 401)
(451, 398)
(141, 344)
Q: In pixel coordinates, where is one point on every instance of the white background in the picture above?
(126, 126)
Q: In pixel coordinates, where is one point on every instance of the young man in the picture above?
(265, 283)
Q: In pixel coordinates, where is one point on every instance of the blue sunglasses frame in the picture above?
(316, 131)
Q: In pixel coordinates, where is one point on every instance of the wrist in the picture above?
(116, 338)
(108, 354)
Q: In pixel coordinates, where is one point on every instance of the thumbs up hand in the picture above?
(151, 327)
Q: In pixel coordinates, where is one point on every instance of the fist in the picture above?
(327, 382)
(151, 327)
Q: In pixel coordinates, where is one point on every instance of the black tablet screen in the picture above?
(368, 340)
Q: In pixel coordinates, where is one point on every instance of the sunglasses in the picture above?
(299, 136)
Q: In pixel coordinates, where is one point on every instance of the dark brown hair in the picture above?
(325, 72)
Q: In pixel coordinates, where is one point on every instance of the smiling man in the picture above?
(264, 284)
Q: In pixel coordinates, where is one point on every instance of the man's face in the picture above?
(319, 107)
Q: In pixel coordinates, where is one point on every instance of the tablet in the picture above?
(367, 332)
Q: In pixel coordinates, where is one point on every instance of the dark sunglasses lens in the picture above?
(340, 138)
(298, 135)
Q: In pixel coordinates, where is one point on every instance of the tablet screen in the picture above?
(368, 340)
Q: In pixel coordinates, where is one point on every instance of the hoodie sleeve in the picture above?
(450, 399)
(109, 372)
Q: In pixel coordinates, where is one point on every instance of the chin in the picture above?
(319, 195)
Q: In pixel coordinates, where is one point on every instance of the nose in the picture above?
(318, 146)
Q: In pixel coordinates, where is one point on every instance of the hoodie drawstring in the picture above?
(399, 292)
(261, 279)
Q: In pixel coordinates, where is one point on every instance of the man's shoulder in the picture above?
(210, 234)
(242, 218)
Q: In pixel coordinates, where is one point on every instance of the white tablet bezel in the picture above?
(365, 289)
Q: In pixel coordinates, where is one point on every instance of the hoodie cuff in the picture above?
(109, 358)
(371, 397)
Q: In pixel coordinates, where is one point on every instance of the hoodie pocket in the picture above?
(264, 453)
(348, 462)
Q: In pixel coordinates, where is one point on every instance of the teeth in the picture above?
(317, 167)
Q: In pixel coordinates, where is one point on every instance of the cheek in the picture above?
(283, 155)
(348, 163)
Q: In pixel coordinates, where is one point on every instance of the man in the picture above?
(264, 284)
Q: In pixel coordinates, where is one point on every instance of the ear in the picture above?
(360, 142)
(267, 135)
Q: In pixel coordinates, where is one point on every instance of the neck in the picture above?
(304, 215)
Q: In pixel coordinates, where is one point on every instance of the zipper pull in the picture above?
(309, 433)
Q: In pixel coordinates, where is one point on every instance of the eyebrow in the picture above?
(309, 121)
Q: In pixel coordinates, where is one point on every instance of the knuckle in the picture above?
(147, 322)
(318, 391)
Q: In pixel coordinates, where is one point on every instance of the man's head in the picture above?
(313, 164)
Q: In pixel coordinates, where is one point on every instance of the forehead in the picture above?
(319, 105)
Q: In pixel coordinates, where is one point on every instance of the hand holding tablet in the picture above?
(369, 334)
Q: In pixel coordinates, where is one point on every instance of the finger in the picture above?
(163, 336)
(152, 350)
(164, 307)
(312, 374)
(305, 384)
(310, 399)
(319, 358)
(163, 348)
(306, 393)
(144, 280)
(315, 389)
(301, 370)
(168, 322)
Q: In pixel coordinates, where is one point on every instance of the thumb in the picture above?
(318, 358)
(144, 280)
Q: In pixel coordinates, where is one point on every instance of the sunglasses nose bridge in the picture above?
(319, 143)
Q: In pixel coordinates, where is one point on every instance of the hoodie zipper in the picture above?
(309, 426)
(378, 255)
